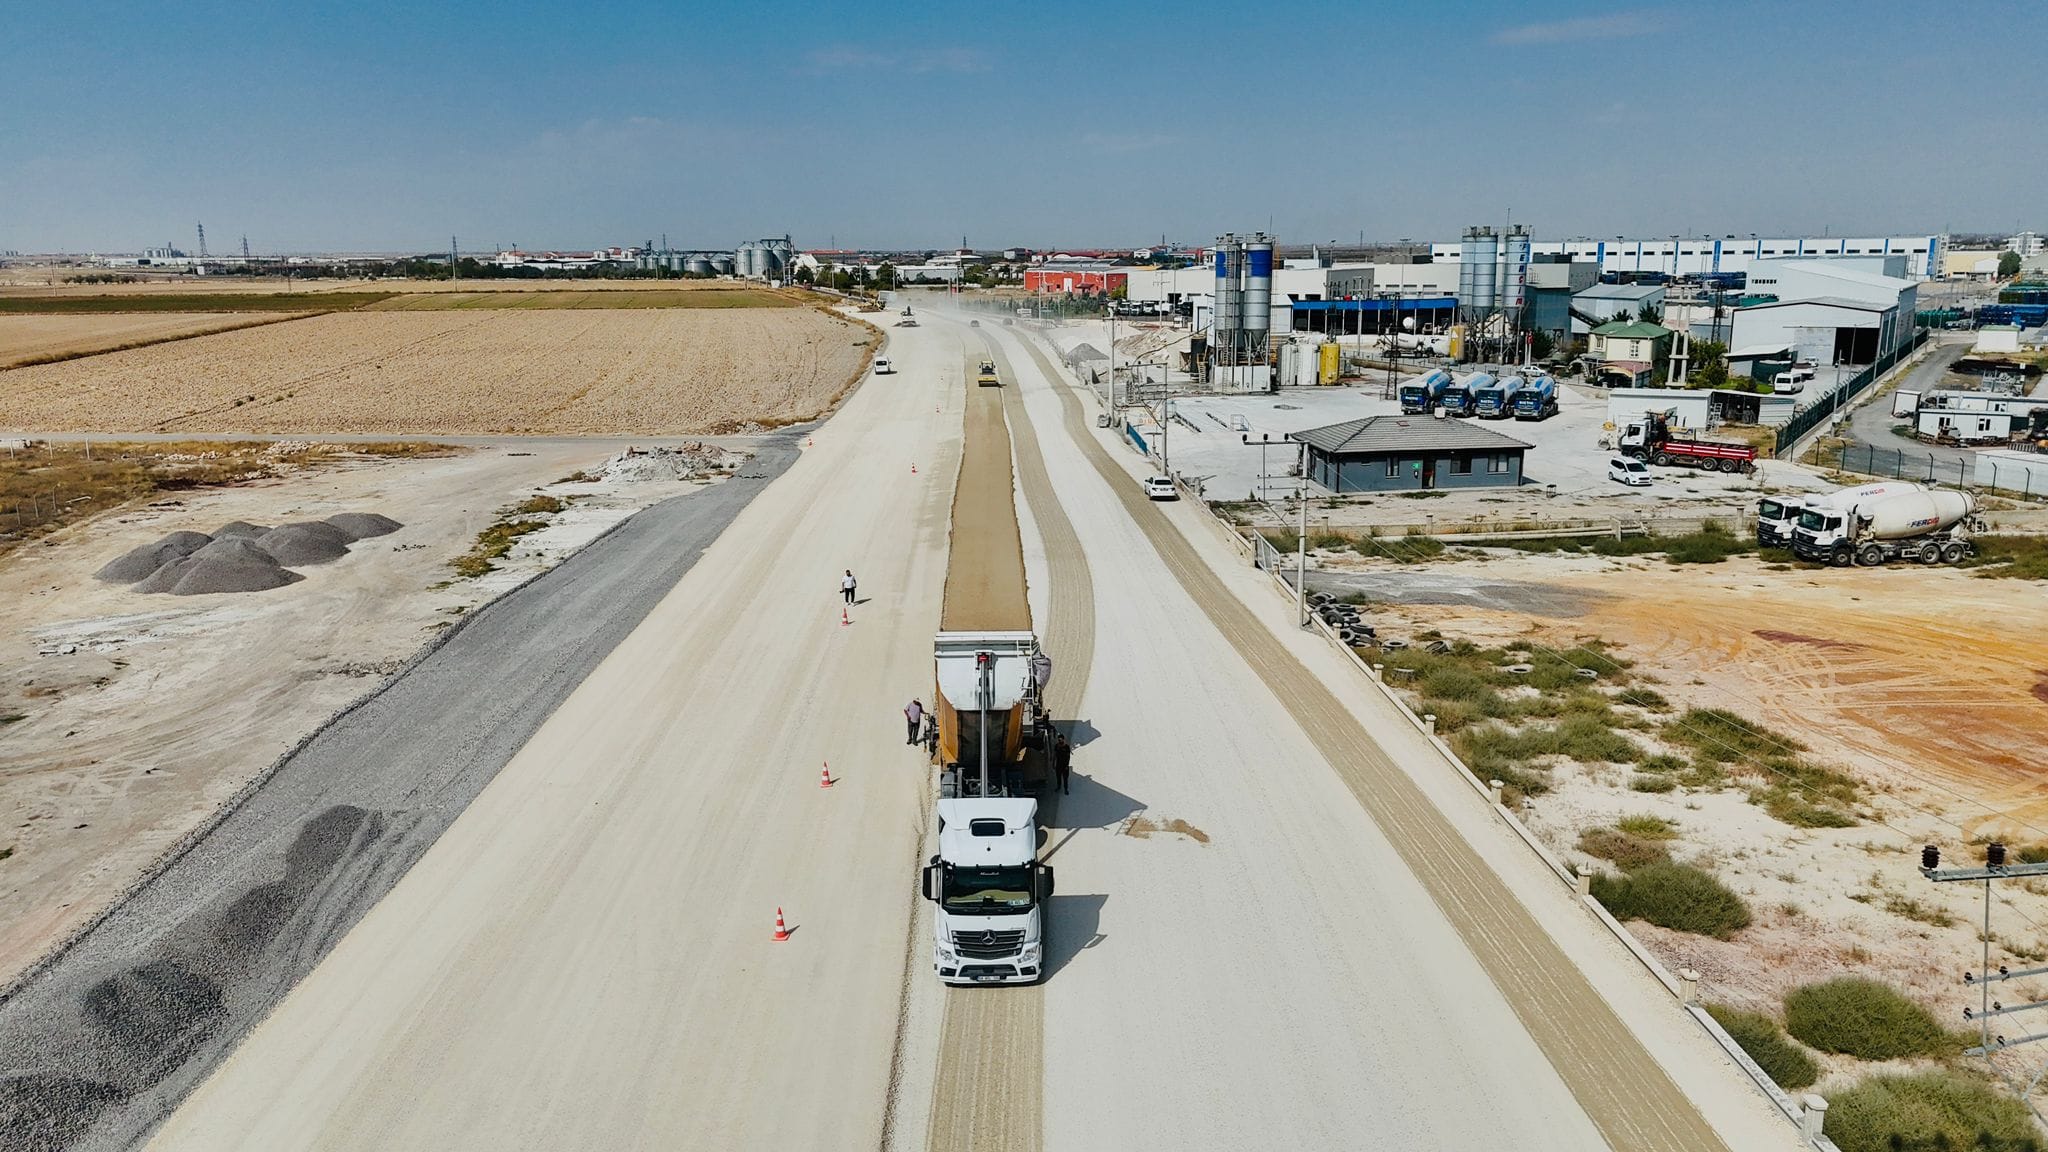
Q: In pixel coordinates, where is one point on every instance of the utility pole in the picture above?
(454, 263)
(1988, 1042)
(1301, 537)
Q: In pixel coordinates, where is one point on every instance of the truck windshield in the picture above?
(1816, 521)
(1771, 510)
(987, 890)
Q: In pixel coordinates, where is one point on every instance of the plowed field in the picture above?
(576, 372)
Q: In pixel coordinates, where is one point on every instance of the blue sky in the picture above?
(379, 126)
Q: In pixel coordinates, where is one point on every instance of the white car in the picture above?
(1160, 488)
(883, 367)
(1629, 471)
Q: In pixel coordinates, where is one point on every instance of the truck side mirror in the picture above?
(930, 882)
(1044, 884)
(1043, 835)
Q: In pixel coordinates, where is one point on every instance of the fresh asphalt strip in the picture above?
(102, 1042)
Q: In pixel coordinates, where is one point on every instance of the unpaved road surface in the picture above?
(111, 1035)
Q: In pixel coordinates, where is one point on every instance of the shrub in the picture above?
(1651, 783)
(1862, 1018)
(537, 504)
(1787, 1063)
(1676, 896)
(1711, 545)
(1927, 1111)
(1644, 826)
(1627, 852)
(1723, 737)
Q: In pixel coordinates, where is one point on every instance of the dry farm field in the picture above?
(35, 339)
(640, 371)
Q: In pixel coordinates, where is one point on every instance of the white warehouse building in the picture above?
(1828, 311)
(1919, 257)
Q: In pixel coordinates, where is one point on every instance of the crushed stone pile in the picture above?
(139, 563)
(363, 525)
(231, 565)
(676, 462)
(241, 557)
(307, 542)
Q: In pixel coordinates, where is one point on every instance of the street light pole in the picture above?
(1301, 536)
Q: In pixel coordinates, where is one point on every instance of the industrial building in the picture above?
(1920, 257)
(1599, 304)
(1410, 454)
(1827, 311)
(1076, 279)
(1628, 351)
(1979, 417)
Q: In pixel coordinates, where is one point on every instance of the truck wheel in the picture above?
(1840, 557)
(1954, 551)
(1728, 466)
(1870, 556)
(1663, 458)
(1931, 554)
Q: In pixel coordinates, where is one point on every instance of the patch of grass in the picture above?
(1723, 737)
(1644, 826)
(1863, 1018)
(1806, 795)
(1712, 544)
(1676, 896)
(1653, 783)
(491, 544)
(1421, 495)
(2014, 557)
(537, 505)
(1929, 1111)
(1624, 851)
(1912, 909)
(1787, 1063)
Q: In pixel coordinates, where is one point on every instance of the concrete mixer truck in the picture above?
(1930, 527)
(1535, 399)
(1777, 516)
(1457, 397)
(1491, 402)
(1421, 394)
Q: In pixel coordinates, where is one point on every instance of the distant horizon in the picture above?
(387, 127)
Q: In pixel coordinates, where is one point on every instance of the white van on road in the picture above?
(883, 367)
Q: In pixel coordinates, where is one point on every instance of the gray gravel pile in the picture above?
(307, 542)
(230, 565)
(363, 525)
(139, 563)
(239, 528)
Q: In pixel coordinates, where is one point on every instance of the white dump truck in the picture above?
(1777, 516)
(1929, 527)
(988, 890)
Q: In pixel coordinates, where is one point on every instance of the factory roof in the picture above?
(1619, 292)
(1402, 433)
(1827, 301)
(1841, 271)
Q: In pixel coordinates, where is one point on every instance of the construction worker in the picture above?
(1062, 762)
(847, 586)
(914, 713)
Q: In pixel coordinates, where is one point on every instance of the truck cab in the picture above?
(986, 376)
(1776, 517)
(988, 891)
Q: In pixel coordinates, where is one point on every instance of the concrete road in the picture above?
(1870, 426)
(1266, 936)
(584, 959)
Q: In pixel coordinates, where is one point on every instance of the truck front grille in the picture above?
(988, 944)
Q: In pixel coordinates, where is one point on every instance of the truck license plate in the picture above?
(988, 977)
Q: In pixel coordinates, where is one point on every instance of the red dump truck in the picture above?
(1653, 439)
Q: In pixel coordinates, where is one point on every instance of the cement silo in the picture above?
(1224, 328)
(1478, 274)
(698, 265)
(1258, 294)
(1515, 269)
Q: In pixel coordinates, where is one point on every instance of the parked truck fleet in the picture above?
(1535, 398)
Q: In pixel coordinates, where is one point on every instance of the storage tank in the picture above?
(723, 265)
(697, 265)
(1227, 320)
(1910, 514)
(1257, 307)
(1516, 272)
(1329, 363)
(1478, 278)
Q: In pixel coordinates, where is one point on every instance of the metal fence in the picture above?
(1834, 403)
(1928, 468)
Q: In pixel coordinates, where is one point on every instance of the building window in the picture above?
(1461, 466)
(1393, 468)
(1497, 463)
(1983, 425)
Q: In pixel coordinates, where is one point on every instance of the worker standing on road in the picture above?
(847, 586)
(1062, 762)
(915, 715)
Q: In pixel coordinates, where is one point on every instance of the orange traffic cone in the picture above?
(781, 929)
(843, 620)
(825, 775)
(913, 469)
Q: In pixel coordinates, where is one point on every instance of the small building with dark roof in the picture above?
(1410, 454)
